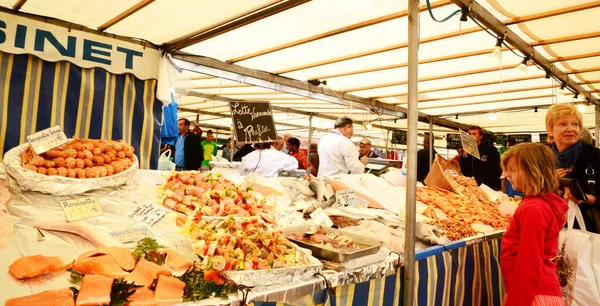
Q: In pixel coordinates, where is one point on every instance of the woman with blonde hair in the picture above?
(531, 240)
(576, 160)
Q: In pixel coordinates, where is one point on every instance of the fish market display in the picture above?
(333, 241)
(81, 158)
(210, 194)
(227, 245)
(101, 278)
(461, 211)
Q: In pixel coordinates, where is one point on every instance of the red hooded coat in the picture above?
(528, 246)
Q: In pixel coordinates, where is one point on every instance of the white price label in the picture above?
(132, 234)
(147, 214)
(293, 191)
(288, 218)
(348, 198)
(319, 217)
(83, 208)
(47, 139)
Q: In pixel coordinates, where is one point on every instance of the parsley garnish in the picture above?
(197, 288)
(147, 248)
(121, 291)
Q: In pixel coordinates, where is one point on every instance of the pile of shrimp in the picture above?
(81, 158)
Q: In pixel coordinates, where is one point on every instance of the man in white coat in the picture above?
(337, 154)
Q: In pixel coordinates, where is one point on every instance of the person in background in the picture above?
(313, 159)
(227, 150)
(293, 145)
(243, 151)
(188, 148)
(576, 160)
(485, 170)
(531, 240)
(337, 154)
(279, 143)
(209, 146)
(364, 149)
(423, 163)
(266, 161)
(285, 139)
(587, 138)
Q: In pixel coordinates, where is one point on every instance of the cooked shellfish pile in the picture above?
(81, 158)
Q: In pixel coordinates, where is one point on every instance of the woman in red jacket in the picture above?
(531, 240)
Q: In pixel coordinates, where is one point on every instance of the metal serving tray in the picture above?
(372, 246)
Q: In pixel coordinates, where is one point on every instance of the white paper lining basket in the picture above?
(58, 185)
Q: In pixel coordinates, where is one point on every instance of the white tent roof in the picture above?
(360, 47)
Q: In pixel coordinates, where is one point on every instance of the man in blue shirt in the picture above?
(188, 150)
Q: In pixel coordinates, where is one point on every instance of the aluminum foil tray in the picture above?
(58, 185)
(372, 245)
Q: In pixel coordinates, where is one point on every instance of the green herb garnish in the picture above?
(121, 291)
(148, 249)
(197, 288)
(75, 277)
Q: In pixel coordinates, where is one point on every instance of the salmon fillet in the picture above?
(169, 289)
(143, 297)
(32, 266)
(62, 297)
(145, 272)
(122, 256)
(101, 265)
(95, 290)
(176, 260)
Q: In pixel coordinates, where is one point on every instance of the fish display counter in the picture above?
(231, 236)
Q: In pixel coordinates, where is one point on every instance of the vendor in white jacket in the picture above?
(337, 154)
(266, 161)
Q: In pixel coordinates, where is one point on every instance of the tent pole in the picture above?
(597, 126)
(411, 154)
(431, 140)
(310, 132)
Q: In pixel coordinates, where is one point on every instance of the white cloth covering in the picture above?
(338, 155)
(267, 163)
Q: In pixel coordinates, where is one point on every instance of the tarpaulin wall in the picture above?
(86, 102)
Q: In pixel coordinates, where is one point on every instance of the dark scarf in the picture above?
(568, 157)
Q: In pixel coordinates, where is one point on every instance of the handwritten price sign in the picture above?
(147, 214)
(348, 198)
(47, 139)
(83, 208)
(132, 234)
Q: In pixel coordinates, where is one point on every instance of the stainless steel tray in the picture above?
(372, 245)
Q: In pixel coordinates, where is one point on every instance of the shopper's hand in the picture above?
(569, 196)
(364, 160)
(562, 172)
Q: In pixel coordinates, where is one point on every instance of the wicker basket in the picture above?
(436, 176)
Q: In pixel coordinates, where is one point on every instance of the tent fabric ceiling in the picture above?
(360, 47)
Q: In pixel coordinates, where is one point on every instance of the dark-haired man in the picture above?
(293, 145)
(188, 150)
(485, 170)
(337, 154)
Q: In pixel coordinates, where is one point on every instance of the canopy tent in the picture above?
(360, 48)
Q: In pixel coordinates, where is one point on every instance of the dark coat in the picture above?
(194, 155)
(485, 170)
(589, 161)
(243, 151)
(423, 164)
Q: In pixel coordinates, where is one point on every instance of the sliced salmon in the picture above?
(143, 297)
(169, 289)
(176, 260)
(145, 272)
(102, 265)
(123, 257)
(62, 297)
(32, 266)
(95, 290)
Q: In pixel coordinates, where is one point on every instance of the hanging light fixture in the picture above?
(523, 65)
(368, 125)
(456, 116)
(496, 55)
(493, 116)
(561, 92)
(535, 110)
(581, 108)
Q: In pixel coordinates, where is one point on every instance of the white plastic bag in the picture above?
(581, 287)
(165, 163)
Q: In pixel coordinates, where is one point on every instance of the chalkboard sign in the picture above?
(516, 139)
(500, 139)
(453, 141)
(544, 138)
(399, 137)
(469, 144)
(253, 122)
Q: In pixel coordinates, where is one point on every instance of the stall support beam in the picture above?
(597, 126)
(431, 141)
(310, 131)
(411, 152)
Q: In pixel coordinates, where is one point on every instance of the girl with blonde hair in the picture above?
(531, 240)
